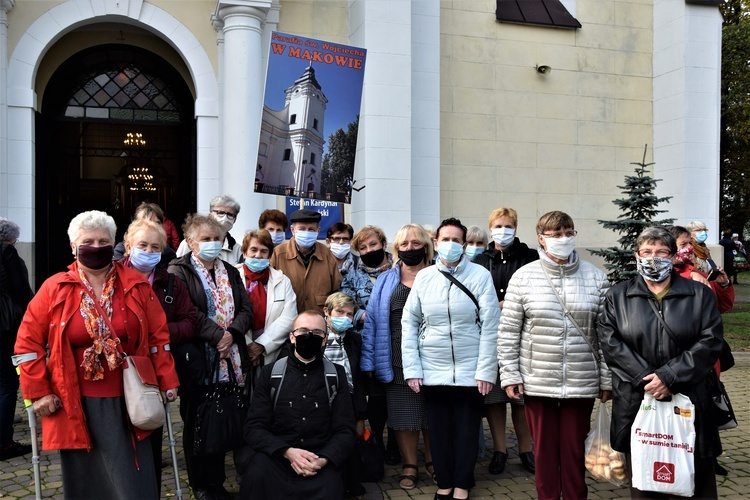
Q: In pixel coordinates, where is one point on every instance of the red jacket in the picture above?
(724, 296)
(44, 325)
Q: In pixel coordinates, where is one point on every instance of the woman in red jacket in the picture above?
(78, 389)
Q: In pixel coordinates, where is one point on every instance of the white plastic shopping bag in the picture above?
(662, 443)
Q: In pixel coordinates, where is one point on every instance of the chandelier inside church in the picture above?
(139, 177)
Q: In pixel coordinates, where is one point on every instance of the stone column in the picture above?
(241, 75)
(5, 6)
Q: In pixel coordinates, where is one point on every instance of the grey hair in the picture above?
(91, 220)
(656, 234)
(195, 222)
(9, 230)
(224, 200)
(694, 225)
(429, 228)
(476, 233)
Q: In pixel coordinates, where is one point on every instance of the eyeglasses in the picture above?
(299, 332)
(229, 215)
(650, 253)
(341, 240)
(560, 234)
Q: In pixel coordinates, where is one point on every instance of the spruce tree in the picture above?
(638, 213)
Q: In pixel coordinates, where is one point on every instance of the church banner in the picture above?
(308, 136)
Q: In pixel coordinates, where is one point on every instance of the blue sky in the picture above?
(341, 85)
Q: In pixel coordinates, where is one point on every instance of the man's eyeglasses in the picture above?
(298, 332)
(649, 253)
(229, 215)
(341, 240)
(560, 234)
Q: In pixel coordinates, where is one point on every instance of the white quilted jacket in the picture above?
(538, 346)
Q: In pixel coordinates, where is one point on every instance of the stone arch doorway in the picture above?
(117, 128)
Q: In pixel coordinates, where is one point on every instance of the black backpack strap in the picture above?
(169, 295)
(277, 378)
(332, 380)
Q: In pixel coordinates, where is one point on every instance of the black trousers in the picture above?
(267, 478)
(453, 417)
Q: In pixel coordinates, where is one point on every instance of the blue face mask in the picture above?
(472, 251)
(256, 265)
(306, 239)
(340, 323)
(449, 251)
(144, 261)
(277, 238)
(209, 250)
(701, 236)
(503, 236)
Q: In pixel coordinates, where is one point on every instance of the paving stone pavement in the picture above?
(17, 477)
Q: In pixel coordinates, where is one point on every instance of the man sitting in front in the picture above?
(301, 426)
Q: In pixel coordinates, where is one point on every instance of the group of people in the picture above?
(323, 337)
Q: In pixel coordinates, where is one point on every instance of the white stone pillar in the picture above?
(242, 77)
(687, 110)
(5, 6)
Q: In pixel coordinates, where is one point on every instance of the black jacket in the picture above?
(503, 263)
(208, 330)
(14, 283)
(635, 345)
(302, 417)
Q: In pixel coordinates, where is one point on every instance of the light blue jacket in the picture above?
(445, 340)
(376, 334)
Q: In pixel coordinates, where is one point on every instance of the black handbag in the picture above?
(724, 415)
(220, 418)
(370, 457)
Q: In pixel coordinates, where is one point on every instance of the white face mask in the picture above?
(340, 250)
(560, 248)
(503, 236)
(225, 222)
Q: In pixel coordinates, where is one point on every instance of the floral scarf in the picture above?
(96, 327)
(220, 310)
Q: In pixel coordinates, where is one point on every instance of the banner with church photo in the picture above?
(308, 136)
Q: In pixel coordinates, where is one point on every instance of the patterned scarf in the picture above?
(256, 292)
(96, 327)
(336, 353)
(374, 272)
(220, 310)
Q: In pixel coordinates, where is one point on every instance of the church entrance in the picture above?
(116, 128)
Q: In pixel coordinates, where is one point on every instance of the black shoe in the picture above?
(443, 496)
(719, 470)
(497, 464)
(203, 495)
(219, 492)
(15, 449)
(527, 460)
(354, 490)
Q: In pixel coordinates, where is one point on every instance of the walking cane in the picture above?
(172, 443)
(17, 361)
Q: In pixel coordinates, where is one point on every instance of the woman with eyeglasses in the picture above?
(549, 353)
(646, 356)
(224, 316)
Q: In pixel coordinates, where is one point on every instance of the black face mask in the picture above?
(308, 346)
(95, 257)
(412, 257)
(374, 258)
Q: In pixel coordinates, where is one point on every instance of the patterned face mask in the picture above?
(655, 269)
(684, 255)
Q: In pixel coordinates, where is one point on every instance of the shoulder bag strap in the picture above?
(462, 287)
(663, 323)
(595, 352)
(168, 297)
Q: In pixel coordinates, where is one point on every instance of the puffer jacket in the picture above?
(376, 334)
(635, 345)
(445, 341)
(538, 345)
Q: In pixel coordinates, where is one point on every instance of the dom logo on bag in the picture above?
(663, 472)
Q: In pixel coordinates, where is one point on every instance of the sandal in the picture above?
(408, 481)
(428, 466)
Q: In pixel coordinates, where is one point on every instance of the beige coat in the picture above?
(312, 285)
